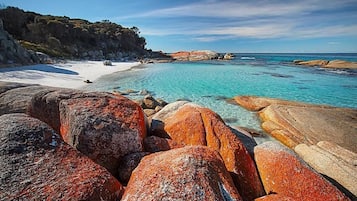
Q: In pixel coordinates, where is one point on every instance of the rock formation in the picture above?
(197, 55)
(12, 53)
(189, 173)
(194, 125)
(328, 64)
(37, 165)
(188, 153)
(287, 121)
(331, 160)
(283, 173)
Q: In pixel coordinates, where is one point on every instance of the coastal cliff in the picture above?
(63, 37)
(185, 152)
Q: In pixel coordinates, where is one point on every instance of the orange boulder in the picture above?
(195, 125)
(282, 172)
(189, 173)
(274, 197)
(103, 126)
(37, 165)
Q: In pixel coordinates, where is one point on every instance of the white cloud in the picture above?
(213, 20)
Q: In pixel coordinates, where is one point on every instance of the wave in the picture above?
(247, 58)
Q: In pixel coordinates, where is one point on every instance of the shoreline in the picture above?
(71, 74)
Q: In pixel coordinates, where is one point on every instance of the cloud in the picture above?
(213, 20)
(228, 9)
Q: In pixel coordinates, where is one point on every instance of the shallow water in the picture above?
(209, 83)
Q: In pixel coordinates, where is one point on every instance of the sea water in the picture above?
(210, 83)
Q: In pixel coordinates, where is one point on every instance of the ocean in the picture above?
(209, 83)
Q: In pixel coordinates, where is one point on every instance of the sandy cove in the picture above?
(71, 74)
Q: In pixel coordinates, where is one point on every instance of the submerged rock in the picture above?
(189, 173)
(284, 173)
(37, 165)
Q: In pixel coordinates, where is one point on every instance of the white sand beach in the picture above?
(71, 74)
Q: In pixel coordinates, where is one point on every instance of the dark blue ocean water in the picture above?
(272, 75)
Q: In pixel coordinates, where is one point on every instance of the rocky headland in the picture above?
(66, 38)
(65, 144)
(328, 64)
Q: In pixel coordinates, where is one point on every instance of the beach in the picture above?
(71, 74)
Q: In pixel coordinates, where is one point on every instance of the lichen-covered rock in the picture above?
(197, 55)
(275, 197)
(37, 165)
(333, 161)
(294, 123)
(189, 173)
(45, 105)
(195, 125)
(155, 144)
(18, 100)
(157, 122)
(127, 164)
(103, 126)
(282, 172)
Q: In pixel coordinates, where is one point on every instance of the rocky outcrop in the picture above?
(284, 174)
(37, 165)
(197, 156)
(189, 173)
(328, 64)
(198, 55)
(337, 163)
(12, 53)
(194, 125)
(295, 123)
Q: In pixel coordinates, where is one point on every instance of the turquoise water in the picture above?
(209, 83)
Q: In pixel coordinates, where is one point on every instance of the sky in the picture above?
(267, 26)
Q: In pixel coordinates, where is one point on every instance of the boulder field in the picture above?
(64, 144)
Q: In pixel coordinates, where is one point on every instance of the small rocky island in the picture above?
(328, 64)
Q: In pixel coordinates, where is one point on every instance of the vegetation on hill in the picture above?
(64, 37)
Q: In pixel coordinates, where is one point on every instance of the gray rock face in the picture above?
(37, 165)
(11, 52)
(18, 100)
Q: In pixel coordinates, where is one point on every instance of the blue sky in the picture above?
(221, 25)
